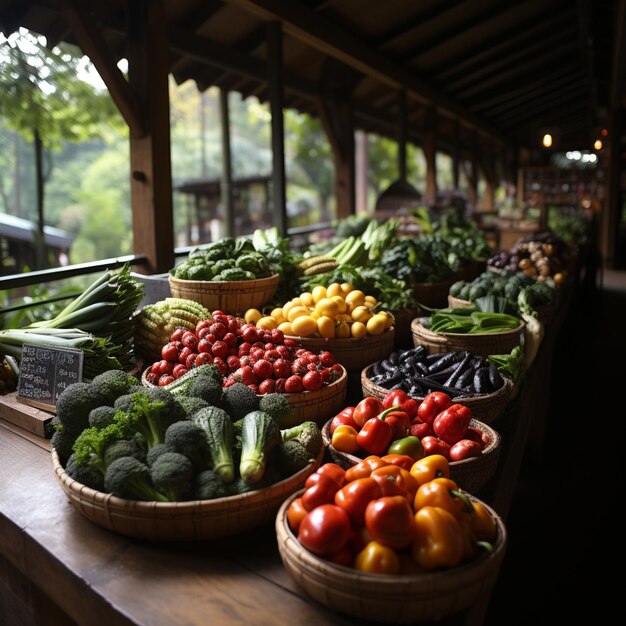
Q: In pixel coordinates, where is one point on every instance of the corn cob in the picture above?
(314, 260)
(320, 268)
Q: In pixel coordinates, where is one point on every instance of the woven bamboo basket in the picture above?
(398, 599)
(457, 303)
(469, 474)
(181, 521)
(316, 406)
(354, 353)
(433, 295)
(480, 344)
(234, 297)
(486, 407)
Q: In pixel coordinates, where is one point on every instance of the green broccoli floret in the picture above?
(208, 485)
(129, 478)
(62, 441)
(162, 395)
(74, 404)
(277, 405)
(208, 369)
(91, 445)
(101, 416)
(154, 453)
(113, 383)
(207, 388)
(192, 405)
(291, 456)
(188, 439)
(123, 403)
(85, 475)
(172, 475)
(124, 447)
(238, 400)
(148, 416)
(307, 434)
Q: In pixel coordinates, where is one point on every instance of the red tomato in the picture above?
(282, 369)
(332, 470)
(199, 326)
(278, 337)
(434, 445)
(312, 380)
(165, 379)
(220, 348)
(152, 378)
(230, 339)
(293, 384)
(325, 530)
(219, 329)
(169, 352)
(267, 386)
(233, 363)
(263, 369)
(204, 345)
(246, 375)
(221, 365)
(280, 385)
(295, 514)
(390, 521)
(190, 340)
(202, 358)
(283, 352)
(354, 497)
(178, 370)
(465, 449)
(190, 361)
(162, 367)
(184, 353)
(326, 358)
(244, 348)
(249, 333)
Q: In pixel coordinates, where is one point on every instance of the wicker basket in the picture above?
(433, 295)
(234, 297)
(480, 344)
(406, 599)
(457, 303)
(181, 521)
(316, 406)
(486, 407)
(470, 474)
(354, 353)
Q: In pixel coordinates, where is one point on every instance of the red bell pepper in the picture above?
(451, 424)
(434, 445)
(399, 397)
(400, 422)
(366, 409)
(420, 429)
(343, 417)
(434, 403)
(465, 449)
(376, 433)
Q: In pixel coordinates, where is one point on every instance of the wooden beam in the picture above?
(275, 74)
(150, 161)
(92, 43)
(323, 35)
(11, 16)
(227, 169)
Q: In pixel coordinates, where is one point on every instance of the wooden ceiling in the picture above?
(496, 71)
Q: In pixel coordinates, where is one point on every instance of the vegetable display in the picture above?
(468, 320)
(380, 518)
(140, 443)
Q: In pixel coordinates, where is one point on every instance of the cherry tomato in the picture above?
(325, 530)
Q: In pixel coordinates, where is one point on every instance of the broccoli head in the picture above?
(101, 416)
(191, 405)
(307, 434)
(75, 403)
(91, 445)
(238, 400)
(62, 441)
(207, 388)
(154, 453)
(172, 475)
(113, 383)
(208, 485)
(162, 395)
(124, 447)
(189, 439)
(129, 478)
(277, 405)
(291, 456)
(148, 416)
(84, 474)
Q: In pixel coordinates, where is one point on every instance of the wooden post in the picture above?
(489, 171)
(275, 78)
(150, 162)
(402, 132)
(609, 227)
(456, 156)
(361, 175)
(430, 153)
(472, 174)
(226, 182)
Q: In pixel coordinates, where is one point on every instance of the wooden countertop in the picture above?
(95, 576)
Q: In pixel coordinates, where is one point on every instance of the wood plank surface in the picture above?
(30, 418)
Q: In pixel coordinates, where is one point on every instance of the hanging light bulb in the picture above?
(547, 140)
(597, 145)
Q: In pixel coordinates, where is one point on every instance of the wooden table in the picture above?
(58, 568)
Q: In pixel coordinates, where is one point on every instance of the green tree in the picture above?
(45, 101)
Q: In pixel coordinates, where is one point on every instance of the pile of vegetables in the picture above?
(140, 443)
(338, 310)
(264, 360)
(98, 322)
(468, 320)
(459, 374)
(224, 260)
(387, 517)
(401, 425)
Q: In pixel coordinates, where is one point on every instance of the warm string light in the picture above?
(547, 140)
(597, 145)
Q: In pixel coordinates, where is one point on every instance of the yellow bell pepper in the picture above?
(439, 539)
(378, 559)
(344, 439)
(430, 467)
(444, 493)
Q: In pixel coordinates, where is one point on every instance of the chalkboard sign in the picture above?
(45, 372)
